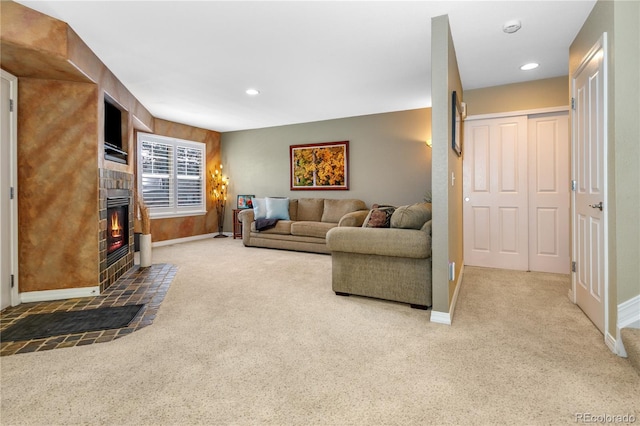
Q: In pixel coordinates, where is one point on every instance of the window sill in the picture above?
(169, 215)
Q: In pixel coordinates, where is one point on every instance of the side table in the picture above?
(237, 225)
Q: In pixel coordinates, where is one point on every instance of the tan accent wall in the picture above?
(58, 184)
(447, 197)
(537, 94)
(62, 85)
(181, 227)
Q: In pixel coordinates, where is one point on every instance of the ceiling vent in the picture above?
(511, 27)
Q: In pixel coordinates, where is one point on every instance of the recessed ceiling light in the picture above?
(529, 66)
(252, 92)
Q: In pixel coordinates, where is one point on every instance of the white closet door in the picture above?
(549, 208)
(495, 192)
(516, 193)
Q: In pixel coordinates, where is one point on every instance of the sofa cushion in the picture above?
(310, 209)
(293, 209)
(311, 229)
(411, 217)
(335, 209)
(277, 208)
(379, 216)
(259, 208)
(282, 227)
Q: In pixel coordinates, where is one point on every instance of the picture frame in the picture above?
(244, 202)
(319, 166)
(456, 125)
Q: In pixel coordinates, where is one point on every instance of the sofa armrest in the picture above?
(354, 218)
(411, 243)
(246, 217)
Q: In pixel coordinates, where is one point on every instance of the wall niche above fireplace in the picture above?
(115, 123)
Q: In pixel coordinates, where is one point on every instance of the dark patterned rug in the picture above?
(39, 326)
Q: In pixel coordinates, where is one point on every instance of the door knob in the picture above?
(596, 206)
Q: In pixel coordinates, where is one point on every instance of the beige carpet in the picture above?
(256, 336)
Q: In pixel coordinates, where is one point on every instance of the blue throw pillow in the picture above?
(278, 208)
(259, 208)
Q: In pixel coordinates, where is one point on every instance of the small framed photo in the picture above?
(244, 201)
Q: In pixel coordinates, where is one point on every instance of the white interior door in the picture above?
(589, 172)
(549, 207)
(8, 90)
(495, 193)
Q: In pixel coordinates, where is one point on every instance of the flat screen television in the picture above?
(112, 125)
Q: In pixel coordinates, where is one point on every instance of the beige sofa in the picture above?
(310, 220)
(386, 263)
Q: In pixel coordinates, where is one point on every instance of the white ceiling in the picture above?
(191, 61)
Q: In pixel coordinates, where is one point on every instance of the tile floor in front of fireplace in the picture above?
(138, 285)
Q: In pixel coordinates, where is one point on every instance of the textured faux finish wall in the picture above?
(34, 44)
(389, 161)
(58, 185)
(181, 227)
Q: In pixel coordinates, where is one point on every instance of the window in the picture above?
(171, 175)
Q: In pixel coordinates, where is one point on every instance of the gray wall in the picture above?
(389, 161)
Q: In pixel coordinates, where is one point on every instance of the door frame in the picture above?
(13, 180)
(601, 44)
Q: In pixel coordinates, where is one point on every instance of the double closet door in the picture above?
(516, 193)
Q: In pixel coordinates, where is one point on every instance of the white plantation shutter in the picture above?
(171, 175)
(189, 175)
(156, 174)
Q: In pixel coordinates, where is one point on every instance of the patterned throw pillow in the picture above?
(379, 216)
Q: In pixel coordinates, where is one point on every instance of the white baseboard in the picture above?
(65, 293)
(447, 317)
(441, 317)
(628, 317)
(612, 344)
(187, 239)
(629, 313)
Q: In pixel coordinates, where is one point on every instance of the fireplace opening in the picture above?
(117, 228)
